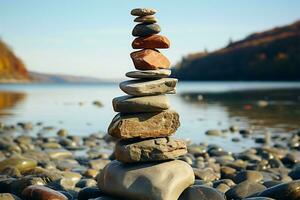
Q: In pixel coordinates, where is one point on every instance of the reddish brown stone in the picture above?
(149, 59)
(151, 42)
(38, 192)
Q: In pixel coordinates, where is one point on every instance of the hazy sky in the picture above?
(93, 37)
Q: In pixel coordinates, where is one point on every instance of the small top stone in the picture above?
(143, 11)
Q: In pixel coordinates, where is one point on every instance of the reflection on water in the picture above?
(71, 107)
(9, 99)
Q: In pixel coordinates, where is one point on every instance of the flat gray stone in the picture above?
(148, 88)
(149, 150)
(143, 11)
(129, 104)
(151, 181)
(196, 192)
(149, 74)
(146, 19)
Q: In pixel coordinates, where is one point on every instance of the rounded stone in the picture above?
(129, 104)
(143, 11)
(18, 162)
(284, 191)
(148, 19)
(89, 193)
(143, 30)
(8, 196)
(159, 181)
(149, 74)
(244, 189)
(149, 150)
(201, 192)
(38, 192)
(148, 88)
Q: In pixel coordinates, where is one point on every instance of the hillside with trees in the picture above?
(273, 55)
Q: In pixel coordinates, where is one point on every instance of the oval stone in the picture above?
(149, 150)
(149, 74)
(201, 192)
(152, 181)
(143, 11)
(37, 192)
(151, 42)
(148, 88)
(149, 59)
(18, 162)
(142, 30)
(149, 19)
(129, 104)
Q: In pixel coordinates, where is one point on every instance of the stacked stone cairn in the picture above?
(146, 165)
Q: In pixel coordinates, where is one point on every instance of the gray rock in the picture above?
(244, 189)
(152, 181)
(143, 30)
(149, 74)
(8, 196)
(149, 19)
(201, 192)
(149, 150)
(143, 11)
(206, 174)
(148, 88)
(284, 191)
(128, 104)
(89, 193)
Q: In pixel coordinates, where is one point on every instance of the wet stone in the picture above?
(142, 30)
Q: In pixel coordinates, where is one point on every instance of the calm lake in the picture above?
(272, 107)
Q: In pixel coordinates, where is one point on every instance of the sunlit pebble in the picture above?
(199, 97)
(262, 103)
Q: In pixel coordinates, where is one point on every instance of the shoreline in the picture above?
(70, 164)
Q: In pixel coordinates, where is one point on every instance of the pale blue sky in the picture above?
(93, 37)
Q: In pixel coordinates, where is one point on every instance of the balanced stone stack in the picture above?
(146, 165)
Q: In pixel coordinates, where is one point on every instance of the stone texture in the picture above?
(151, 42)
(37, 192)
(143, 11)
(149, 150)
(149, 19)
(244, 189)
(284, 191)
(149, 74)
(149, 59)
(248, 175)
(143, 30)
(201, 192)
(148, 88)
(18, 162)
(144, 125)
(159, 181)
(129, 104)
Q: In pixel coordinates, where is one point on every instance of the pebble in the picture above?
(143, 11)
(166, 180)
(89, 193)
(214, 132)
(244, 189)
(148, 19)
(157, 149)
(19, 162)
(37, 192)
(284, 191)
(151, 42)
(144, 125)
(129, 104)
(201, 192)
(206, 174)
(149, 74)
(148, 88)
(143, 30)
(149, 59)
